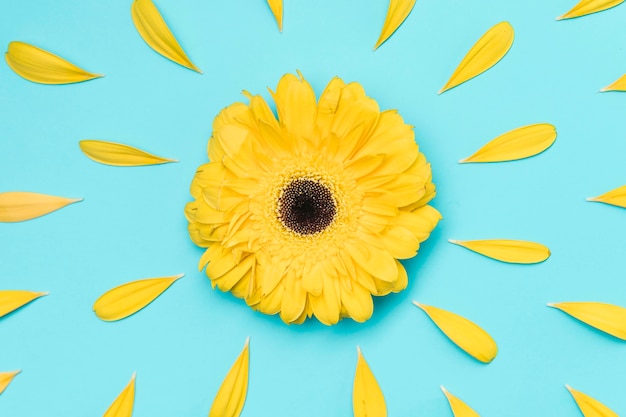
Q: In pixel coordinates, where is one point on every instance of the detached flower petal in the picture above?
(277, 9)
(458, 407)
(608, 318)
(117, 154)
(511, 251)
(231, 396)
(397, 13)
(18, 206)
(617, 85)
(590, 407)
(123, 404)
(585, 7)
(367, 397)
(11, 300)
(616, 197)
(6, 378)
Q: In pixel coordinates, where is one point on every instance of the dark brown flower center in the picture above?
(306, 207)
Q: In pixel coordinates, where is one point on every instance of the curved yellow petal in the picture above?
(11, 300)
(519, 143)
(127, 299)
(608, 318)
(585, 7)
(231, 396)
(123, 404)
(616, 197)
(117, 154)
(157, 34)
(18, 206)
(397, 13)
(277, 9)
(367, 397)
(511, 251)
(465, 334)
(486, 53)
(617, 85)
(43, 67)
(590, 407)
(458, 407)
(6, 378)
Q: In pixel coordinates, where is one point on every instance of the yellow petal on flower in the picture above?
(18, 206)
(397, 13)
(40, 66)
(519, 143)
(11, 300)
(6, 378)
(231, 396)
(117, 154)
(277, 10)
(157, 34)
(590, 407)
(616, 197)
(486, 53)
(127, 299)
(123, 404)
(617, 85)
(585, 7)
(511, 251)
(458, 407)
(367, 397)
(608, 318)
(465, 334)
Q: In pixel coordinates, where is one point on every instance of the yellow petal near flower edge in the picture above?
(367, 397)
(231, 396)
(127, 299)
(19, 206)
(486, 53)
(397, 13)
(510, 251)
(462, 332)
(608, 318)
(6, 378)
(157, 34)
(519, 143)
(458, 407)
(11, 300)
(117, 154)
(590, 407)
(277, 9)
(617, 85)
(43, 67)
(585, 7)
(123, 404)
(616, 197)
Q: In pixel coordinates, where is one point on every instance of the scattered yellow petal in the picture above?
(458, 407)
(117, 154)
(11, 300)
(231, 396)
(590, 407)
(157, 34)
(585, 7)
(277, 10)
(616, 197)
(367, 397)
(617, 85)
(123, 404)
(462, 332)
(127, 299)
(608, 318)
(511, 251)
(40, 66)
(18, 206)
(519, 143)
(397, 13)
(486, 53)
(6, 378)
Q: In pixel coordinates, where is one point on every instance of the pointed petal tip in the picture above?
(454, 241)
(134, 376)
(595, 199)
(464, 160)
(443, 389)
(419, 305)
(568, 388)
(247, 342)
(179, 276)
(553, 305)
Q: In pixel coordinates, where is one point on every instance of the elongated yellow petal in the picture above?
(277, 10)
(585, 7)
(486, 53)
(117, 154)
(590, 407)
(40, 66)
(11, 300)
(127, 299)
(367, 397)
(465, 334)
(458, 407)
(157, 34)
(516, 144)
(397, 13)
(18, 206)
(608, 318)
(616, 197)
(231, 396)
(511, 251)
(123, 404)
(6, 378)
(617, 85)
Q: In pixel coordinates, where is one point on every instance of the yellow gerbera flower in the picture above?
(307, 215)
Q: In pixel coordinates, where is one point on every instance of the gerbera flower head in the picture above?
(307, 214)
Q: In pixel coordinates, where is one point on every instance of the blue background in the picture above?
(131, 223)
